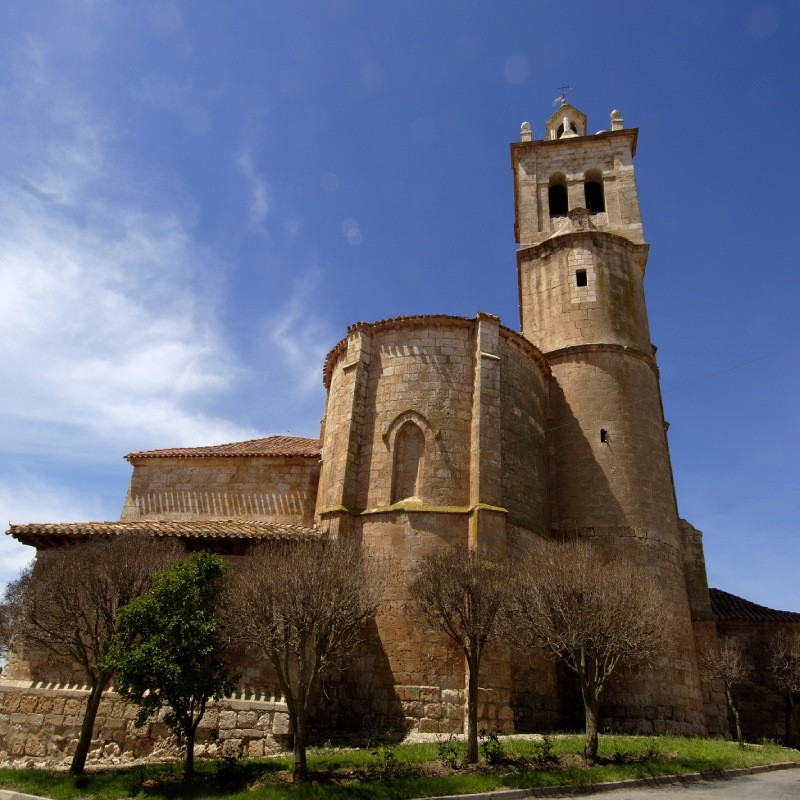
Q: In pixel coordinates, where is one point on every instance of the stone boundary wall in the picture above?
(40, 726)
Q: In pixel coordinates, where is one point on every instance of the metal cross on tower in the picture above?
(562, 98)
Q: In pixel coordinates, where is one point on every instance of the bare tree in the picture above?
(302, 605)
(464, 595)
(783, 668)
(72, 602)
(727, 663)
(11, 609)
(595, 616)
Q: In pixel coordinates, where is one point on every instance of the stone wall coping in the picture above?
(433, 321)
(235, 702)
(419, 508)
(573, 237)
(564, 353)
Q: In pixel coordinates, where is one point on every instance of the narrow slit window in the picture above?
(409, 459)
(580, 277)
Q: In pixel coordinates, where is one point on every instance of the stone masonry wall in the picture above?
(40, 726)
(523, 449)
(761, 708)
(270, 489)
(609, 309)
(426, 370)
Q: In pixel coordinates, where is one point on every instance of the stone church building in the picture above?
(444, 431)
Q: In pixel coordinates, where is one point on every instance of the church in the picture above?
(459, 432)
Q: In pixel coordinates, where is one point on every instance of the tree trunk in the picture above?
(787, 717)
(87, 726)
(188, 770)
(592, 709)
(472, 713)
(300, 728)
(735, 712)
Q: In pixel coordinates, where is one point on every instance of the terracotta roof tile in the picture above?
(727, 606)
(287, 446)
(212, 529)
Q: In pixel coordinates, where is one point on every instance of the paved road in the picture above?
(783, 785)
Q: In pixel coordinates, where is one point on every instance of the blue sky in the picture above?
(196, 199)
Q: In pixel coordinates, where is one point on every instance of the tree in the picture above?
(302, 605)
(729, 664)
(169, 648)
(783, 667)
(463, 595)
(11, 605)
(72, 603)
(595, 616)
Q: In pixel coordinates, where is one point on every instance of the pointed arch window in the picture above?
(557, 195)
(593, 191)
(409, 460)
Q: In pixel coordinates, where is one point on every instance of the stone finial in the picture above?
(616, 120)
(525, 134)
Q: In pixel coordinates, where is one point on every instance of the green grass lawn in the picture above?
(406, 771)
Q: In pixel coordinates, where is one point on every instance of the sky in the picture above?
(197, 198)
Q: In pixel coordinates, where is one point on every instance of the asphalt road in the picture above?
(782, 785)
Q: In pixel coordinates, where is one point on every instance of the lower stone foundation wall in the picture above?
(40, 726)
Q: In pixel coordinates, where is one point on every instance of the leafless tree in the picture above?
(11, 609)
(302, 605)
(72, 602)
(783, 668)
(596, 616)
(727, 663)
(464, 595)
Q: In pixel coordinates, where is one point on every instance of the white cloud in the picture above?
(106, 338)
(26, 498)
(301, 336)
(259, 202)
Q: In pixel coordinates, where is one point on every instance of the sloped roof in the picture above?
(726, 606)
(286, 446)
(49, 533)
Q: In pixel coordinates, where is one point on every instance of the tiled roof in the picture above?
(287, 446)
(43, 533)
(727, 606)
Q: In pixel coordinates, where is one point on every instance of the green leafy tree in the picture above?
(464, 595)
(171, 643)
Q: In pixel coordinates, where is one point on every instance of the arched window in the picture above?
(593, 191)
(557, 195)
(409, 459)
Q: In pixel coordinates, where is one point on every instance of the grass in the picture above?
(405, 771)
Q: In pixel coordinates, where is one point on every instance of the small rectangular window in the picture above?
(580, 277)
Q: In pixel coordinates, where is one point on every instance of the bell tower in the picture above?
(581, 264)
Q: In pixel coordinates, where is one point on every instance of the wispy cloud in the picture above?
(106, 338)
(259, 202)
(25, 497)
(301, 336)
